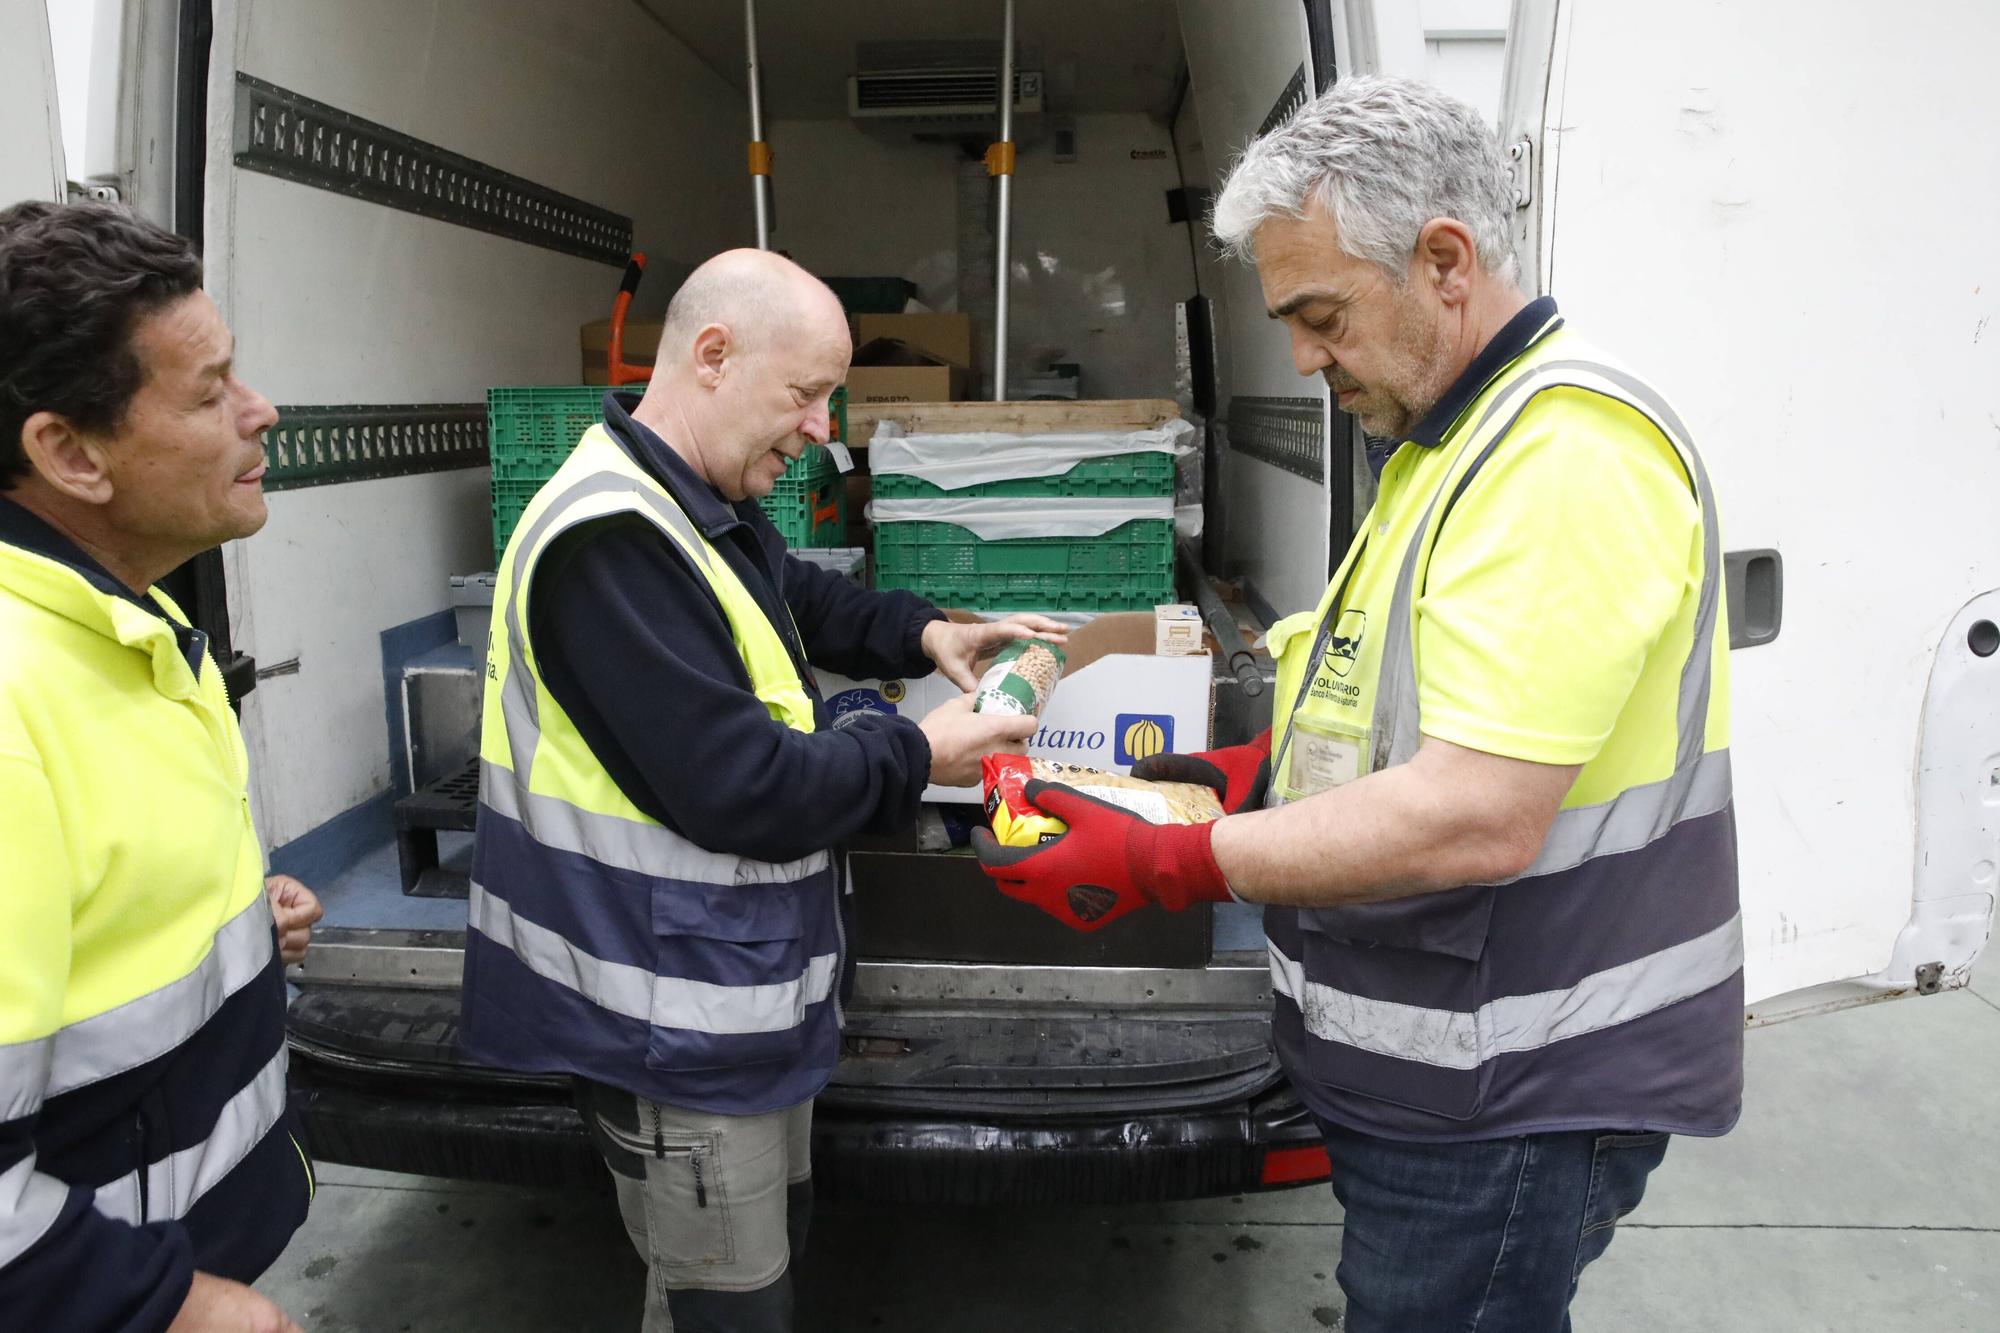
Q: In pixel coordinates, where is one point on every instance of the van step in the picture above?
(450, 804)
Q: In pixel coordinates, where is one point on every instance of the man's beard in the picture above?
(1409, 385)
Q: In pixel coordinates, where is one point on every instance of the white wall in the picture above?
(337, 301)
(856, 205)
(1239, 59)
(1097, 268)
(1465, 46)
(71, 24)
(1837, 366)
(31, 146)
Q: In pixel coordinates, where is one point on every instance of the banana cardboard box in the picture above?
(1118, 701)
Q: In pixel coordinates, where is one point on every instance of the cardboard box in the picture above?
(1117, 703)
(888, 371)
(1177, 630)
(907, 384)
(642, 346)
(946, 337)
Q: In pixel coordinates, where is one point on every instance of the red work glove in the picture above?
(1110, 862)
(1239, 773)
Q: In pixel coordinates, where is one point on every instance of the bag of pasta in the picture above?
(1017, 822)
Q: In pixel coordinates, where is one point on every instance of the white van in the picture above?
(403, 203)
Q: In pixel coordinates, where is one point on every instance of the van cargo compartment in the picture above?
(939, 906)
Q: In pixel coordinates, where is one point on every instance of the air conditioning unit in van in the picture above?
(939, 98)
(935, 87)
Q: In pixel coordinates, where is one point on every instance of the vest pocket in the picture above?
(1454, 923)
(731, 976)
(1393, 1003)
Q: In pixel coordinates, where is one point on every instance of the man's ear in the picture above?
(714, 347)
(1447, 257)
(66, 459)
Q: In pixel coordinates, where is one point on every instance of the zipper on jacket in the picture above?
(144, 1184)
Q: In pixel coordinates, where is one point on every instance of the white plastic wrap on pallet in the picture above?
(997, 517)
(953, 462)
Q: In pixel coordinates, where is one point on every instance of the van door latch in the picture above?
(1520, 171)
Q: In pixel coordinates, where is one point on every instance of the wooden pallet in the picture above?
(1039, 417)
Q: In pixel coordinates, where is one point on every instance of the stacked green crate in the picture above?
(531, 431)
(808, 506)
(1129, 568)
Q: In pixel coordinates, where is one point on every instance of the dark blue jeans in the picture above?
(1484, 1237)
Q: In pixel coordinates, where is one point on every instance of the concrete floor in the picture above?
(1861, 1191)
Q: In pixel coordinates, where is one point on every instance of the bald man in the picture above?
(657, 904)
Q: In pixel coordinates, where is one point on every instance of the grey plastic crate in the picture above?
(472, 607)
(851, 562)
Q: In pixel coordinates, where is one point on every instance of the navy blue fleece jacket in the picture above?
(635, 647)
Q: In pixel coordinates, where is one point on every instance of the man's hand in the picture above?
(957, 648)
(295, 907)
(960, 738)
(1239, 773)
(217, 1305)
(1109, 863)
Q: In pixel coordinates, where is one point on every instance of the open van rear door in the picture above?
(1714, 195)
(1250, 66)
(31, 151)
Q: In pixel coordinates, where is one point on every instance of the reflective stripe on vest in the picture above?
(1455, 1023)
(578, 845)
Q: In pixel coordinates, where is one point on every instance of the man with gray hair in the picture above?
(1492, 821)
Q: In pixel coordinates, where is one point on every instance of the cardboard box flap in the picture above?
(892, 352)
(944, 335)
(1113, 633)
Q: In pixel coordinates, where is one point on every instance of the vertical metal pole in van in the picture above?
(1000, 162)
(760, 151)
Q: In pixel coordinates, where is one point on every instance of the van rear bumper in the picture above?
(534, 1136)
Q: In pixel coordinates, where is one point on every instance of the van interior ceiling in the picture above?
(874, 103)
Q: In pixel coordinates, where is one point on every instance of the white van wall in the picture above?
(339, 301)
(1465, 49)
(1097, 268)
(31, 151)
(1837, 366)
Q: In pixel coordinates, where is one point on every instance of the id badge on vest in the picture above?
(1331, 732)
(1325, 754)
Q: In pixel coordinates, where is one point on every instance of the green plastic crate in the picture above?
(1037, 592)
(537, 426)
(1134, 474)
(1142, 546)
(808, 506)
(531, 431)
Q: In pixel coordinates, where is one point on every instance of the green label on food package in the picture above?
(1021, 678)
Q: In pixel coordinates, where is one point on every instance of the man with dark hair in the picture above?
(149, 1165)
